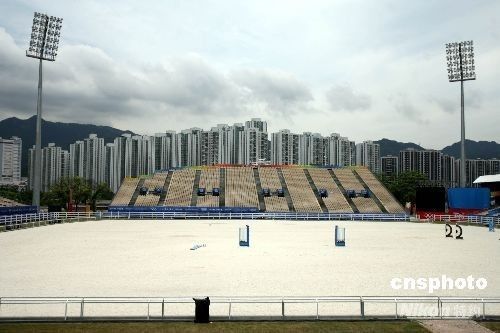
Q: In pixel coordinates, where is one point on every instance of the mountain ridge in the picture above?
(62, 134)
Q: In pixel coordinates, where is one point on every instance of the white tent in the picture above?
(488, 179)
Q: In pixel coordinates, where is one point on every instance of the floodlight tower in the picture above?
(44, 43)
(461, 67)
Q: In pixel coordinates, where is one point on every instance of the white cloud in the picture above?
(343, 98)
(175, 65)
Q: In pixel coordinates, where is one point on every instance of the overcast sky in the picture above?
(365, 69)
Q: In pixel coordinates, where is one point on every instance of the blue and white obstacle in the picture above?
(197, 246)
(339, 236)
(244, 236)
(491, 225)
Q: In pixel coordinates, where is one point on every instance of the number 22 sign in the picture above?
(449, 231)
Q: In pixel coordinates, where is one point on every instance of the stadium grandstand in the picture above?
(266, 188)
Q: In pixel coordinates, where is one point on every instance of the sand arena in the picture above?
(153, 258)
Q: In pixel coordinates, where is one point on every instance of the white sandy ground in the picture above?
(153, 258)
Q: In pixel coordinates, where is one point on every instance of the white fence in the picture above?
(13, 222)
(457, 218)
(247, 308)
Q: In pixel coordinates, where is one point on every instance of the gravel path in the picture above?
(454, 326)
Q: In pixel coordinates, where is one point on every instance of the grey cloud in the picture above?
(278, 91)
(190, 83)
(404, 106)
(85, 84)
(472, 99)
(446, 104)
(343, 98)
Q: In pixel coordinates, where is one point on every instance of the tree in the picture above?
(404, 186)
(100, 192)
(69, 190)
(14, 193)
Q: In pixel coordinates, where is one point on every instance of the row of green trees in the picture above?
(75, 189)
(11, 192)
(403, 186)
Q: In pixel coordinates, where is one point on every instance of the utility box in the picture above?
(202, 310)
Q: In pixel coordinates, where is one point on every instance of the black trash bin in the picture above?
(202, 310)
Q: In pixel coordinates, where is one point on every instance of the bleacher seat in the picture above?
(125, 192)
(335, 201)
(180, 189)
(269, 179)
(379, 190)
(350, 182)
(241, 190)
(303, 198)
(210, 181)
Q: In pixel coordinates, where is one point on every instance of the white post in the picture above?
(396, 302)
(317, 309)
(282, 309)
(81, 307)
(66, 310)
(148, 308)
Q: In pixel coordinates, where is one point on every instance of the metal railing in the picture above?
(457, 218)
(13, 222)
(247, 308)
(258, 216)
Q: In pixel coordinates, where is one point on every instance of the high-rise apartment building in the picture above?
(448, 172)
(476, 168)
(110, 167)
(494, 166)
(226, 144)
(65, 163)
(51, 166)
(312, 149)
(436, 166)
(257, 123)
(252, 146)
(55, 165)
(10, 161)
(93, 159)
(191, 147)
(368, 154)
(234, 143)
(390, 165)
(136, 155)
(340, 152)
(77, 159)
(427, 162)
(164, 150)
(285, 147)
(209, 147)
(252, 142)
(140, 155)
(122, 150)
